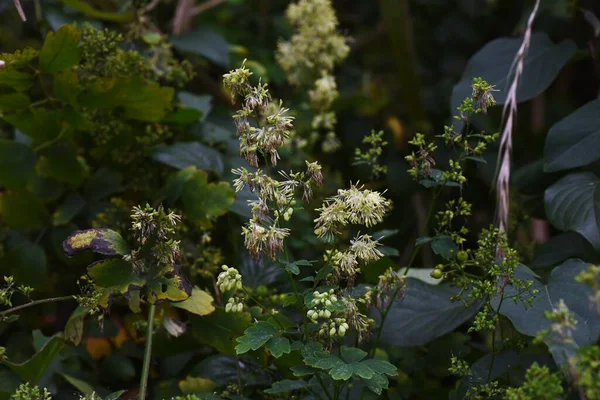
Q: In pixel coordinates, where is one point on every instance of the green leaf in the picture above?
(362, 370)
(140, 100)
(193, 384)
(14, 79)
(88, 10)
(27, 262)
(61, 49)
(352, 354)
(323, 360)
(176, 183)
(493, 62)
(13, 101)
(62, 163)
(278, 346)
(146, 102)
(17, 163)
(381, 366)
(69, 208)
(573, 204)
(115, 395)
(66, 87)
(78, 384)
(220, 329)
(286, 386)
(575, 140)
(203, 201)
(377, 383)
(22, 210)
(206, 43)
(35, 367)
(115, 274)
(561, 285)
(199, 303)
(293, 268)
(181, 155)
(444, 246)
(424, 314)
(201, 103)
(102, 183)
(562, 247)
(74, 327)
(101, 241)
(255, 337)
(342, 372)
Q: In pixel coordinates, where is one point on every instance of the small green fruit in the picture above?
(462, 256)
(436, 274)
(262, 291)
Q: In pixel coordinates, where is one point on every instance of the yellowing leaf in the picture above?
(192, 384)
(199, 303)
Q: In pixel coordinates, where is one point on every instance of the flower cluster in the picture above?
(390, 287)
(261, 125)
(355, 205)
(310, 56)
(275, 198)
(591, 277)
(231, 280)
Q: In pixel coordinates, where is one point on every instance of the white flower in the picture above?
(365, 248)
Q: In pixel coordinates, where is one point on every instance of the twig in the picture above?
(207, 5)
(152, 5)
(509, 115)
(35, 303)
(20, 9)
(183, 17)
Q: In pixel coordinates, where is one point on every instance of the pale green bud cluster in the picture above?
(319, 305)
(335, 327)
(234, 304)
(229, 279)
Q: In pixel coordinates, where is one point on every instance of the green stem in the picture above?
(496, 316)
(323, 386)
(147, 353)
(429, 215)
(35, 303)
(298, 297)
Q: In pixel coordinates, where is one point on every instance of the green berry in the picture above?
(436, 273)
(262, 291)
(462, 256)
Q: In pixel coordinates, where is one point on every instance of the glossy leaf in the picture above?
(561, 285)
(562, 247)
(493, 62)
(185, 154)
(575, 140)
(424, 314)
(206, 43)
(573, 204)
(101, 241)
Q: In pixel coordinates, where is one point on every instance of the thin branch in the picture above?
(35, 303)
(207, 5)
(509, 116)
